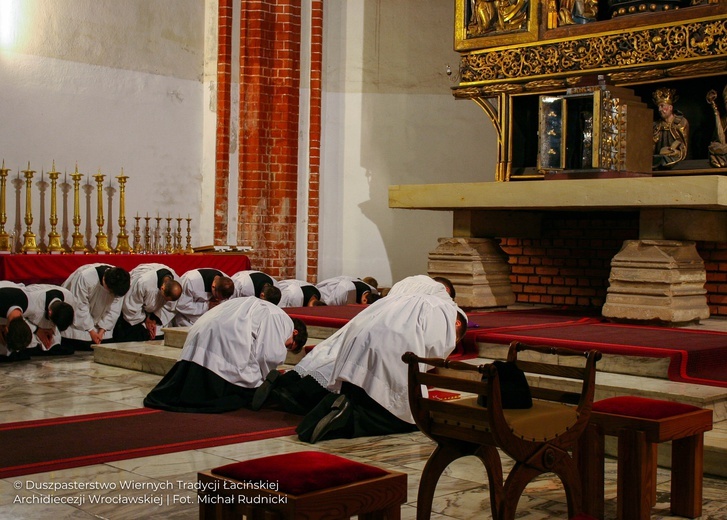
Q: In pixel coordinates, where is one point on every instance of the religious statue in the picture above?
(497, 15)
(718, 149)
(577, 11)
(671, 133)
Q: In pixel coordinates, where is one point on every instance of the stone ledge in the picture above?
(706, 192)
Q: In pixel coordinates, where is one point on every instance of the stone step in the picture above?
(643, 366)
(152, 357)
(175, 336)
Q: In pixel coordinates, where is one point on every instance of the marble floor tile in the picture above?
(161, 487)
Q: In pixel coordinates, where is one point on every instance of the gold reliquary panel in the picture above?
(594, 129)
(626, 49)
(490, 23)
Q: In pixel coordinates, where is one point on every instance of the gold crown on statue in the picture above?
(665, 95)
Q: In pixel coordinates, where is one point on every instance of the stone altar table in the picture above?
(674, 212)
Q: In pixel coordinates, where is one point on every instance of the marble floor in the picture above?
(53, 387)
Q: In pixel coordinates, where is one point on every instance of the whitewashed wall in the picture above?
(105, 85)
(390, 118)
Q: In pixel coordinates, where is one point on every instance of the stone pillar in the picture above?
(478, 269)
(657, 280)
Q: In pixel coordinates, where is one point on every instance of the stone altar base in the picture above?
(657, 280)
(478, 269)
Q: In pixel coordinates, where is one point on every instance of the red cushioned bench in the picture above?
(308, 484)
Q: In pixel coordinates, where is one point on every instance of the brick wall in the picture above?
(714, 255)
(314, 152)
(570, 263)
(222, 148)
(269, 106)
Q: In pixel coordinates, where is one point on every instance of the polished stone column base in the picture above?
(478, 269)
(657, 280)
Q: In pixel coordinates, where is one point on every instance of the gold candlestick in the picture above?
(77, 246)
(178, 237)
(189, 235)
(29, 244)
(5, 247)
(122, 245)
(147, 235)
(169, 249)
(65, 190)
(102, 242)
(42, 186)
(137, 235)
(54, 238)
(158, 235)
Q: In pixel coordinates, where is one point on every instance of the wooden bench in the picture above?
(301, 485)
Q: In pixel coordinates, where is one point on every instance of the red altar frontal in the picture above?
(54, 269)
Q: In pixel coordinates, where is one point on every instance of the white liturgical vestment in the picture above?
(245, 285)
(370, 355)
(144, 296)
(95, 307)
(195, 298)
(241, 340)
(40, 297)
(367, 350)
(340, 290)
(419, 284)
(291, 294)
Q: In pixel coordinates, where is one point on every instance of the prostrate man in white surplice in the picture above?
(202, 289)
(147, 306)
(298, 293)
(256, 283)
(344, 290)
(98, 291)
(226, 355)
(49, 311)
(423, 284)
(357, 376)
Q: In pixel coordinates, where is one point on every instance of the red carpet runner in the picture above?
(696, 356)
(69, 442)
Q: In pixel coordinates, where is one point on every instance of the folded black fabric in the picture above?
(514, 388)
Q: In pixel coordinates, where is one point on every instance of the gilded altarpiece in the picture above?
(506, 68)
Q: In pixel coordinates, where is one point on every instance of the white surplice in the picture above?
(144, 296)
(244, 285)
(419, 284)
(367, 350)
(340, 290)
(95, 306)
(194, 301)
(240, 340)
(291, 294)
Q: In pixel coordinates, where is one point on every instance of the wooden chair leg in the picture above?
(519, 477)
(635, 475)
(590, 454)
(490, 457)
(567, 471)
(687, 463)
(441, 457)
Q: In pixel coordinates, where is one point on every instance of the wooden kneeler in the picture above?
(301, 485)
